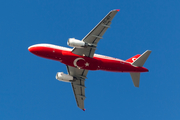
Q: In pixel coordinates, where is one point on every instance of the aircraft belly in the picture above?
(80, 62)
(120, 66)
(116, 66)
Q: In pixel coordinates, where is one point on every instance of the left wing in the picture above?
(95, 35)
(78, 85)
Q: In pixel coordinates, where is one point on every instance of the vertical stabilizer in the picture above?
(132, 59)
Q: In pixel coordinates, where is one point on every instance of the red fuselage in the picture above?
(98, 62)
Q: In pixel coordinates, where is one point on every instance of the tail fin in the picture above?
(142, 59)
(139, 62)
(132, 59)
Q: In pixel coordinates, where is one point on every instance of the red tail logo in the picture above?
(132, 59)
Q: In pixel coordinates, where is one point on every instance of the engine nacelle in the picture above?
(64, 77)
(76, 43)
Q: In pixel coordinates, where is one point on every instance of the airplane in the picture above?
(82, 58)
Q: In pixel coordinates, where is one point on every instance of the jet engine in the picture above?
(64, 77)
(76, 43)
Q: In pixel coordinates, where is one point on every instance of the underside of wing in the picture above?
(78, 85)
(95, 35)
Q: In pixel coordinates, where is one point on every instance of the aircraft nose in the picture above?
(32, 49)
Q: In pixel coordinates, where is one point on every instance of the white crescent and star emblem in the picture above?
(86, 64)
(77, 59)
(133, 59)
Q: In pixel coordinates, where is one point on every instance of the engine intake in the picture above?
(79, 44)
(64, 77)
(76, 43)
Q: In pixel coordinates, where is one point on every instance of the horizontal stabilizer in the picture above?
(142, 59)
(135, 78)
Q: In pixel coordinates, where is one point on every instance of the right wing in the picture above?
(78, 85)
(95, 35)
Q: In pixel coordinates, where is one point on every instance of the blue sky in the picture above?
(29, 90)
